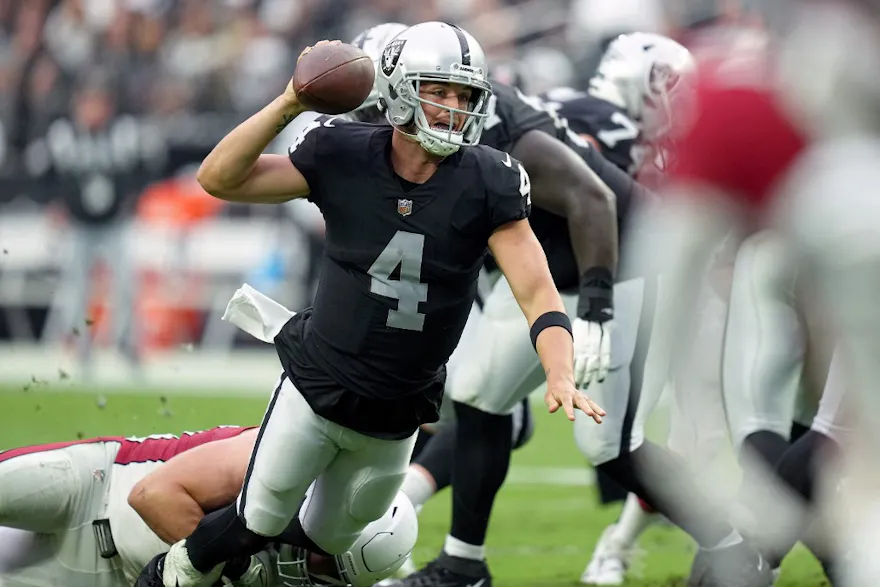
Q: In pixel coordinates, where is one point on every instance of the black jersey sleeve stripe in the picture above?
(463, 43)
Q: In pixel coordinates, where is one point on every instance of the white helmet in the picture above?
(382, 548)
(373, 42)
(434, 52)
(641, 72)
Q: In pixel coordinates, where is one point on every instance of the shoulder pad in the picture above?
(306, 123)
(503, 173)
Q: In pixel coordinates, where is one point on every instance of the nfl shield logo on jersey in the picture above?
(404, 207)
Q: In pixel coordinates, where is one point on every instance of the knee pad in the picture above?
(372, 498)
(368, 502)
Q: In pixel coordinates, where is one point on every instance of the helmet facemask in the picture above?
(446, 141)
(293, 570)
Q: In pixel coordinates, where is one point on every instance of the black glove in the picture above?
(596, 296)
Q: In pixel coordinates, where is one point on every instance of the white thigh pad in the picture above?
(503, 367)
(293, 449)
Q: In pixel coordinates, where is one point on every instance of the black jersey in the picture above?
(511, 114)
(399, 273)
(612, 128)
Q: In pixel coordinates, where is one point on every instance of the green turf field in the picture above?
(541, 534)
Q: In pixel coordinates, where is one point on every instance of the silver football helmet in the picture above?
(373, 42)
(641, 73)
(433, 52)
(382, 548)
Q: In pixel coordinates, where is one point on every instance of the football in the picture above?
(333, 78)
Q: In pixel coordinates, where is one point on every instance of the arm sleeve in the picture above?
(312, 137)
(510, 196)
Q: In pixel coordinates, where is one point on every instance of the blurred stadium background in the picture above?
(118, 222)
(115, 267)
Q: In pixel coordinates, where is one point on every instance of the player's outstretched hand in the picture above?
(290, 93)
(564, 394)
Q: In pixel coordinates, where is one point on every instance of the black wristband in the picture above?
(596, 295)
(546, 320)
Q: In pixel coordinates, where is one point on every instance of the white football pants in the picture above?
(356, 476)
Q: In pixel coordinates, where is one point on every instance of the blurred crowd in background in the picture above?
(194, 67)
(108, 106)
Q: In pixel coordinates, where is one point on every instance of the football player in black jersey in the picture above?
(612, 113)
(411, 210)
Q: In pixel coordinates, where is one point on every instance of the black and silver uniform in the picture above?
(615, 132)
(511, 115)
(399, 273)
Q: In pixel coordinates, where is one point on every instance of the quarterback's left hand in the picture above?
(592, 351)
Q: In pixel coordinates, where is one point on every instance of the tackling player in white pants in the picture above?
(92, 513)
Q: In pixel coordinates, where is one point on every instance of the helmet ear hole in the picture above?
(381, 105)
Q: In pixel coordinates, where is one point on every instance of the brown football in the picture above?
(333, 78)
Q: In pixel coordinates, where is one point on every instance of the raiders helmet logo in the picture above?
(404, 207)
(391, 54)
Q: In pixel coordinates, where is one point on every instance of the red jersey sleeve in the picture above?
(739, 141)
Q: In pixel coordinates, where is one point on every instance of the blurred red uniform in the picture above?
(735, 137)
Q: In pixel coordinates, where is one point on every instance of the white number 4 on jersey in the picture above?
(525, 186)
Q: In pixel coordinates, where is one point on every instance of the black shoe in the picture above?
(151, 575)
(740, 565)
(450, 571)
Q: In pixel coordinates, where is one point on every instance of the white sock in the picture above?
(455, 547)
(731, 539)
(417, 486)
(633, 521)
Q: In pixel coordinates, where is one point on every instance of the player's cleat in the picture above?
(609, 563)
(740, 565)
(450, 571)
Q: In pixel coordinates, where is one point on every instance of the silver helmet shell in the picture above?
(641, 73)
(434, 52)
(373, 42)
